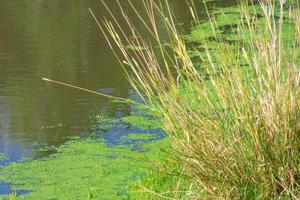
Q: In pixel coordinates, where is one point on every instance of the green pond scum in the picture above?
(137, 137)
(89, 168)
(222, 31)
(82, 169)
(142, 119)
(3, 157)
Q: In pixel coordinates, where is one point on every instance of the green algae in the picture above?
(222, 33)
(3, 157)
(107, 120)
(45, 148)
(137, 137)
(164, 177)
(142, 122)
(81, 169)
(142, 119)
(105, 123)
(205, 30)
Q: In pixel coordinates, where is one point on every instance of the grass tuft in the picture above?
(231, 113)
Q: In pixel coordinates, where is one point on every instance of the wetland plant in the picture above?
(232, 112)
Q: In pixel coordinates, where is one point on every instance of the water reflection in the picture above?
(59, 40)
(56, 39)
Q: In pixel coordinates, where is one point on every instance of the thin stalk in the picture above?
(84, 89)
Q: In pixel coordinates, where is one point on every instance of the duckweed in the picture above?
(81, 169)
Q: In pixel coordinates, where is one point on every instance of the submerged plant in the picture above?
(233, 123)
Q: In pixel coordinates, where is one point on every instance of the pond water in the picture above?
(59, 40)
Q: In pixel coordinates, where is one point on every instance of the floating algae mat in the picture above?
(91, 168)
(81, 169)
(3, 157)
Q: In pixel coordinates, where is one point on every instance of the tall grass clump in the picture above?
(232, 113)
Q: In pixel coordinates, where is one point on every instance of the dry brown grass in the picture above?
(235, 130)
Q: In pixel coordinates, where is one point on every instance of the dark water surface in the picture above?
(58, 39)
